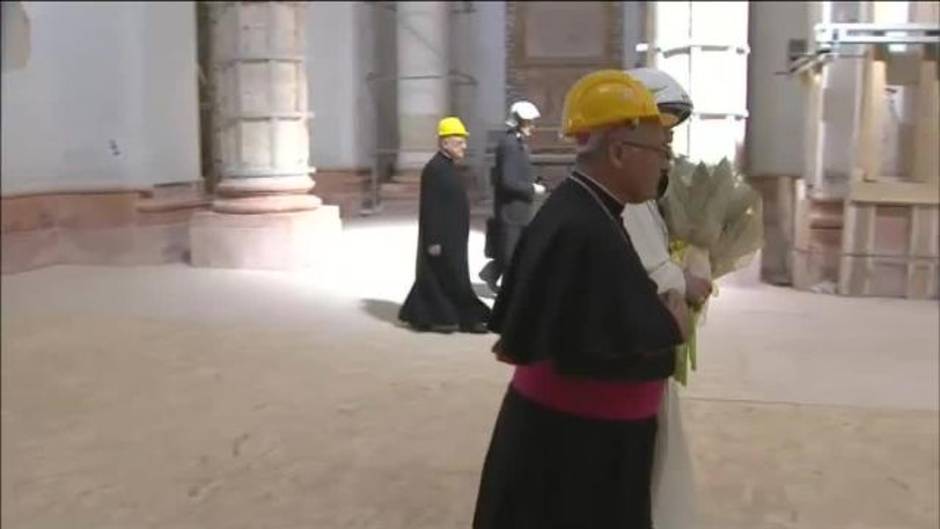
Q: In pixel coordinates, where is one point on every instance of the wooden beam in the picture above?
(858, 238)
(924, 235)
(812, 128)
(901, 193)
(904, 69)
(649, 28)
(871, 120)
(926, 136)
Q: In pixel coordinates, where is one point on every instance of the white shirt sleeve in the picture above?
(647, 231)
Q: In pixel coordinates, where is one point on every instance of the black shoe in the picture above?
(475, 328)
(440, 329)
(492, 286)
(489, 277)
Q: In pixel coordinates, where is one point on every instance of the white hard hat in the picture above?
(671, 98)
(522, 110)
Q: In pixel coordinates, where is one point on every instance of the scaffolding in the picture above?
(377, 86)
(842, 40)
(870, 261)
(372, 202)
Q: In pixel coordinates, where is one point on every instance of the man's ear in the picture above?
(615, 155)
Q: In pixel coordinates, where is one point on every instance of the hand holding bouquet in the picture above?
(715, 227)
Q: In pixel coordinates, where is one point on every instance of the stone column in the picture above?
(263, 215)
(422, 52)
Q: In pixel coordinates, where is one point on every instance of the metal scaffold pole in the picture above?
(378, 86)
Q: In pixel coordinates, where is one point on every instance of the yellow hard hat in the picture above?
(605, 98)
(451, 126)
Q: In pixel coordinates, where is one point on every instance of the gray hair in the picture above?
(597, 141)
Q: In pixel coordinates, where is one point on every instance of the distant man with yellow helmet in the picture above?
(442, 298)
(591, 340)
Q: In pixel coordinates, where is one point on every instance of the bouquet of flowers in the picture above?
(715, 227)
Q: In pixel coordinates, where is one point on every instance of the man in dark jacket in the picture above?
(442, 298)
(514, 190)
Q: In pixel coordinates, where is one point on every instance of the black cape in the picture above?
(576, 293)
(442, 293)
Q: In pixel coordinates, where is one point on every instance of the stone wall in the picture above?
(98, 227)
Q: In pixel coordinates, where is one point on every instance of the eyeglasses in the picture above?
(665, 152)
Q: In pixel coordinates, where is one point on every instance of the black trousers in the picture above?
(509, 235)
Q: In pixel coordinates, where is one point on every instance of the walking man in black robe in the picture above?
(442, 298)
(591, 340)
(514, 191)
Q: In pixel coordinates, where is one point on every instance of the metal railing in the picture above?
(842, 40)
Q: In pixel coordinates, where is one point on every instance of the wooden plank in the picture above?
(889, 277)
(889, 244)
(922, 281)
(932, 290)
(892, 231)
(847, 272)
(812, 129)
(826, 214)
(890, 251)
(871, 120)
(649, 28)
(926, 135)
(813, 79)
(801, 216)
(925, 232)
(903, 69)
(894, 193)
(923, 243)
(917, 279)
(858, 239)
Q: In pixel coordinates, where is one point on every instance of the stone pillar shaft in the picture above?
(263, 216)
(260, 111)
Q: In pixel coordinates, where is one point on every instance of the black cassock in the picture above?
(442, 293)
(577, 295)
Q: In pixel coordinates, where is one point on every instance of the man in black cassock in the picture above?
(442, 298)
(591, 341)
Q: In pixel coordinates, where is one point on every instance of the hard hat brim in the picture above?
(658, 118)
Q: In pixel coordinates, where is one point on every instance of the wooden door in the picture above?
(549, 46)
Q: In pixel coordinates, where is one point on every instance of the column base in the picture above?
(265, 241)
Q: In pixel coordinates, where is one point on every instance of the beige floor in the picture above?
(172, 397)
